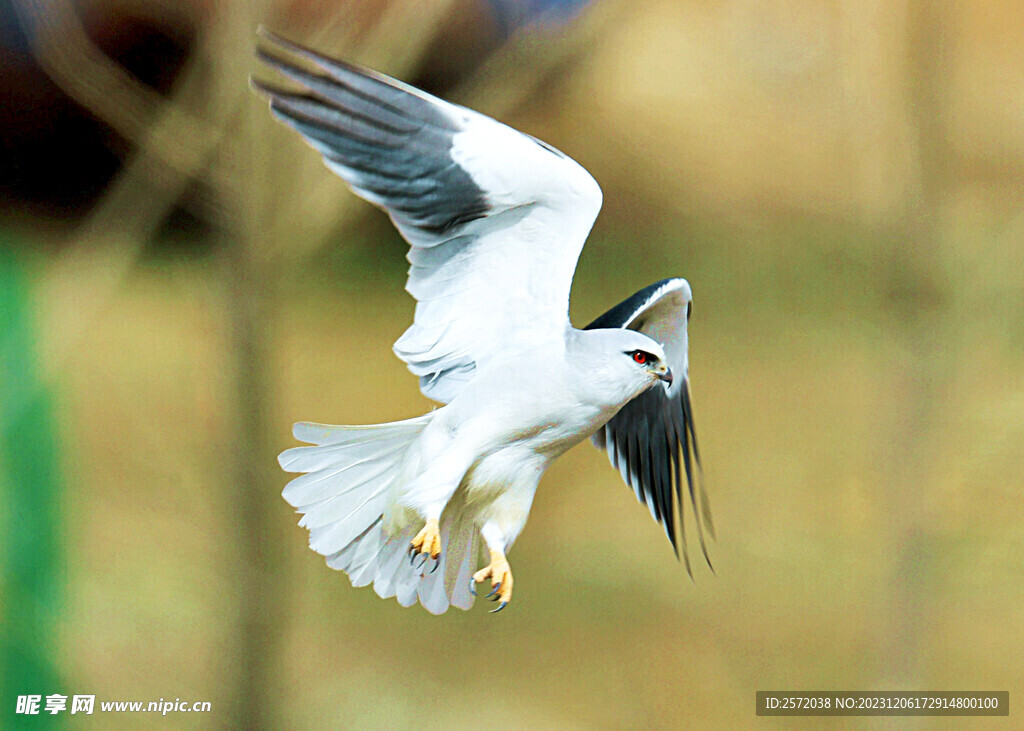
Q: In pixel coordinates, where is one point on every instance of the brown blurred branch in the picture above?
(922, 367)
(107, 245)
(98, 83)
(396, 43)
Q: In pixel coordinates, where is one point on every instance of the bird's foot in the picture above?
(427, 544)
(500, 574)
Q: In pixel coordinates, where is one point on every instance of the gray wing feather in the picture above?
(652, 440)
(384, 138)
(473, 198)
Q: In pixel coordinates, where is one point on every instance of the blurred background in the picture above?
(181, 279)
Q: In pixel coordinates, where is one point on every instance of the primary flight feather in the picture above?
(496, 221)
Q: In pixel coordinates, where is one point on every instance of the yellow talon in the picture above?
(428, 540)
(500, 574)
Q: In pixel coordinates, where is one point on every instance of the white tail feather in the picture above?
(343, 497)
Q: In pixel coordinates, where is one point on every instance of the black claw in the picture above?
(499, 607)
(494, 590)
(472, 586)
(437, 562)
(422, 563)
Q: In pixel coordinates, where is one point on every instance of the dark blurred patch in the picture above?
(189, 232)
(151, 49)
(56, 158)
(460, 46)
(913, 291)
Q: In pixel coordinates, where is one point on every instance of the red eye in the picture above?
(640, 357)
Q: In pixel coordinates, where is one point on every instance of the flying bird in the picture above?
(496, 221)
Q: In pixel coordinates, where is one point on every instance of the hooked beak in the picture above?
(666, 376)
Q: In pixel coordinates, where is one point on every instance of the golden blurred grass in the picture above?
(800, 376)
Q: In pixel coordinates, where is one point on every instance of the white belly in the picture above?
(499, 434)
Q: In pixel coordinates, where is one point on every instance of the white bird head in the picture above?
(620, 364)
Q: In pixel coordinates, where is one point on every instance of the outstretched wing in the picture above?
(496, 219)
(645, 439)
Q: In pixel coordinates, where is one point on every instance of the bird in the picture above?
(495, 220)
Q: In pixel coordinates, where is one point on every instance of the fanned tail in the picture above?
(350, 478)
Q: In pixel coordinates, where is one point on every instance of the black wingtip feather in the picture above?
(623, 314)
(361, 80)
(657, 457)
(654, 440)
(261, 88)
(663, 458)
(281, 43)
(689, 439)
(664, 418)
